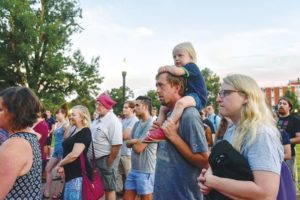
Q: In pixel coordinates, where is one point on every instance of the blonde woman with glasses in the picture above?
(254, 134)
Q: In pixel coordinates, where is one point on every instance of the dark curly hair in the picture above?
(23, 106)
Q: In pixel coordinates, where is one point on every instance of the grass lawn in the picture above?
(298, 165)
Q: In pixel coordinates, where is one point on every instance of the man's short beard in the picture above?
(281, 111)
(163, 103)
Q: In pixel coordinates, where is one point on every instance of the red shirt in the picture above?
(42, 128)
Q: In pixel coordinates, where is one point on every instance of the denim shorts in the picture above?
(199, 104)
(142, 183)
(57, 153)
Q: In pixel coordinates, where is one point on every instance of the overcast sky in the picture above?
(257, 38)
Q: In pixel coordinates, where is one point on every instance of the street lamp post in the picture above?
(124, 79)
(124, 92)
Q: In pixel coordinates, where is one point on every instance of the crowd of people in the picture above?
(145, 156)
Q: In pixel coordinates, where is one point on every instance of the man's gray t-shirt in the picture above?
(127, 123)
(145, 161)
(265, 153)
(175, 177)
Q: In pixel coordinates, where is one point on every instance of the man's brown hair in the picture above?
(175, 80)
(131, 104)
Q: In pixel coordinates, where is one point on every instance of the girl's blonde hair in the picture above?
(255, 112)
(85, 114)
(188, 47)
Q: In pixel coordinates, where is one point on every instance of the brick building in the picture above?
(274, 93)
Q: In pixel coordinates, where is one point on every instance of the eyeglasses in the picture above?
(225, 93)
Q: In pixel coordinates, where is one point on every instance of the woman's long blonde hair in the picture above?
(255, 112)
(85, 114)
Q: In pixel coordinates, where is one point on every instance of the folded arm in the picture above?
(265, 186)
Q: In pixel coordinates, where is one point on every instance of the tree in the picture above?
(293, 97)
(85, 78)
(154, 98)
(86, 101)
(117, 95)
(213, 85)
(34, 41)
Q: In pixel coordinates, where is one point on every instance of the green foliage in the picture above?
(88, 102)
(154, 98)
(117, 95)
(293, 97)
(213, 86)
(85, 77)
(34, 41)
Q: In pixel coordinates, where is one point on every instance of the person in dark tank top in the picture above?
(20, 154)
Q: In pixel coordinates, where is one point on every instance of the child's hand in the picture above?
(164, 69)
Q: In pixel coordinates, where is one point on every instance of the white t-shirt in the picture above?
(106, 131)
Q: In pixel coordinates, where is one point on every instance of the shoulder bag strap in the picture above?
(94, 157)
(82, 163)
